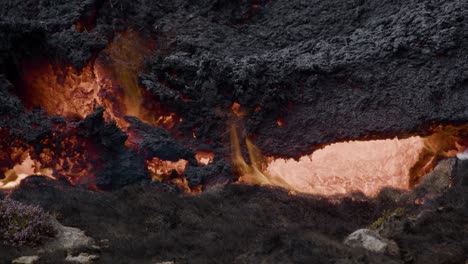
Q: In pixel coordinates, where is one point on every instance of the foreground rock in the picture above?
(249, 224)
(69, 245)
(83, 258)
(230, 224)
(68, 238)
(26, 260)
(372, 241)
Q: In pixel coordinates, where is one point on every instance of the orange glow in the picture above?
(366, 166)
(280, 122)
(236, 109)
(111, 82)
(204, 157)
(163, 169)
(118, 75)
(62, 90)
(255, 173)
(167, 121)
(72, 159)
(171, 171)
(127, 53)
(28, 167)
(63, 155)
(346, 167)
(445, 142)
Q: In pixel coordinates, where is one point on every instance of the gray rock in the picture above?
(83, 258)
(26, 260)
(67, 238)
(461, 172)
(435, 183)
(372, 241)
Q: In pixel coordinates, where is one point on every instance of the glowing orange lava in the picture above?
(111, 82)
(355, 166)
(236, 109)
(204, 157)
(20, 171)
(366, 166)
(163, 169)
(280, 122)
(171, 171)
(62, 90)
(120, 64)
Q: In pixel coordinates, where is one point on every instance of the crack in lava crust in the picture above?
(341, 168)
(354, 166)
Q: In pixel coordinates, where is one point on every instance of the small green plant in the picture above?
(400, 211)
(23, 224)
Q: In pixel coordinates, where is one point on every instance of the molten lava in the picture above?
(204, 157)
(164, 170)
(171, 171)
(117, 69)
(111, 82)
(20, 171)
(236, 109)
(355, 166)
(60, 90)
(445, 142)
(341, 168)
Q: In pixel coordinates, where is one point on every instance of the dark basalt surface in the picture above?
(118, 165)
(331, 70)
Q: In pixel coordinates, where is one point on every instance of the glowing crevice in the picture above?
(204, 157)
(341, 168)
(354, 166)
(19, 172)
(111, 82)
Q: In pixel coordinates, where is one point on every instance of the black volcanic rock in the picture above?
(218, 172)
(118, 165)
(332, 70)
(157, 142)
(461, 172)
(30, 126)
(46, 29)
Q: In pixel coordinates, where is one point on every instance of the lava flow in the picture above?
(109, 82)
(355, 166)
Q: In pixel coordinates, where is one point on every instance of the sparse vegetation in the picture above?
(23, 224)
(400, 211)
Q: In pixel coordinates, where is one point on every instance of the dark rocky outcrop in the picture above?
(117, 165)
(331, 70)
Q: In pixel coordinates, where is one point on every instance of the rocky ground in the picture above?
(252, 224)
(329, 70)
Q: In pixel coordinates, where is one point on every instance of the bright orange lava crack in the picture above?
(354, 166)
